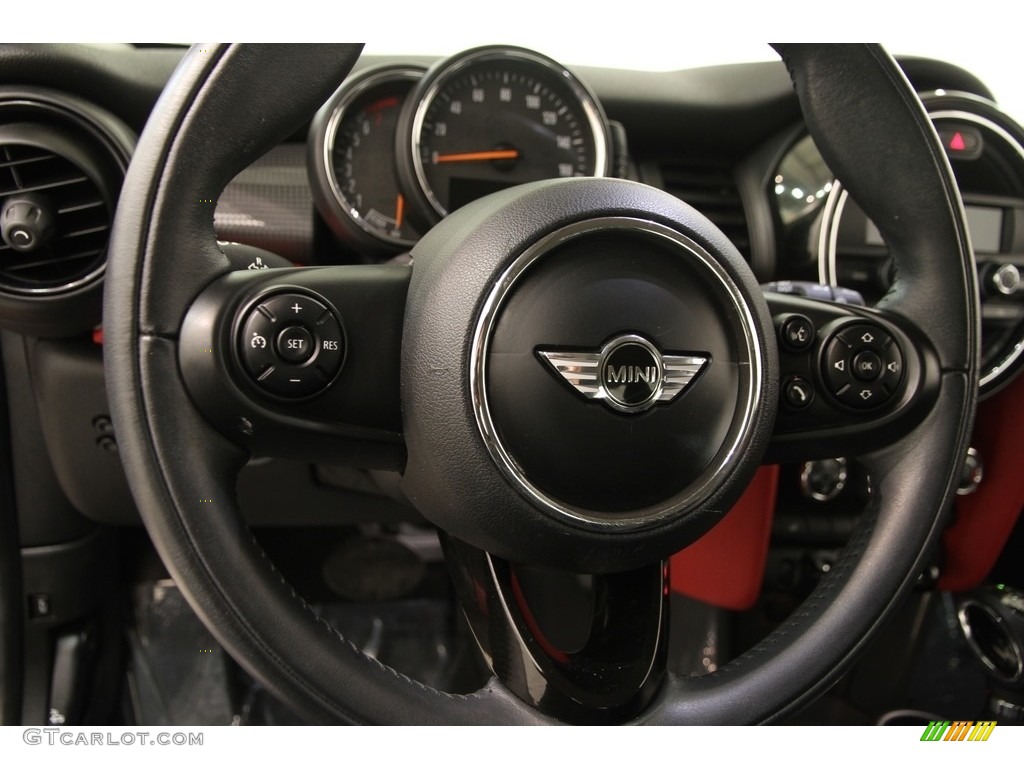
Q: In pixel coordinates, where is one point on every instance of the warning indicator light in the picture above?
(962, 142)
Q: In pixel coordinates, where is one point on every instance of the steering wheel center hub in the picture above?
(616, 370)
(582, 336)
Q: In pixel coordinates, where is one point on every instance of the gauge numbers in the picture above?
(493, 118)
(365, 204)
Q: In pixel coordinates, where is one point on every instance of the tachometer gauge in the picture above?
(494, 117)
(351, 160)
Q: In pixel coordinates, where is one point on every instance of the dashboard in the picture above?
(406, 140)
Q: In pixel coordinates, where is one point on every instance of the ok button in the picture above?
(295, 344)
(867, 365)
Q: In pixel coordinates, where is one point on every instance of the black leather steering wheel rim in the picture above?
(212, 121)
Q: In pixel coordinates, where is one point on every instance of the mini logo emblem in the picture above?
(629, 373)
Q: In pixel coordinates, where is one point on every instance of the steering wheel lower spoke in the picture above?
(580, 648)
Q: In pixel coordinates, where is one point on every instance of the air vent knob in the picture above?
(1003, 280)
(26, 222)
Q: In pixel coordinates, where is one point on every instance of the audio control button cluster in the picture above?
(863, 366)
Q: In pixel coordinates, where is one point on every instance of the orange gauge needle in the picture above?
(475, 157)
(399, 210)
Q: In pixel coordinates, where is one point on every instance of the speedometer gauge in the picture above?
(494, 117)
(351, 161)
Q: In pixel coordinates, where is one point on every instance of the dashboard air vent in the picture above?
(713, 192)
(62, 162)
(41, 185)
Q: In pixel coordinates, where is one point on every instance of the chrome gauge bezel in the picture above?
(442, 74)
(343, 217)
(965, 108)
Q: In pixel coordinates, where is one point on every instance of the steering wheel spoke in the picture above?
(301, 363)
(851, 380)
(581, 648)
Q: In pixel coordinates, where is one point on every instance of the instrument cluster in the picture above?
(398, 147)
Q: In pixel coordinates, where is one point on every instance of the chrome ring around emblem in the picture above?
(751, 372)
(629, 374)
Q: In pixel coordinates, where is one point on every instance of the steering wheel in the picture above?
(581, 374)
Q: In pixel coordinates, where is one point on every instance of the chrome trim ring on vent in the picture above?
(71, 156)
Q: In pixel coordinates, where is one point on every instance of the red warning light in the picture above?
(957, 143)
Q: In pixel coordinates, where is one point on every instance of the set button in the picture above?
(291, 345)
(863, 366)
(295, 344)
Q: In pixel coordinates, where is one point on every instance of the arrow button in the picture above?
(892, 372)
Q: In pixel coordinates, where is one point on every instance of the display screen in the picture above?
(985, 225)
(462, 190)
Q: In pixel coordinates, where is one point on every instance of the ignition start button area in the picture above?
(291, 345)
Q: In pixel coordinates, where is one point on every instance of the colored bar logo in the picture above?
(959, 730)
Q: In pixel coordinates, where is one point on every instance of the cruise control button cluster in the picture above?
(863, 366)
(291, 345)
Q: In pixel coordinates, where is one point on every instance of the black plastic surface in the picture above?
(80, 438)
(10, 579)
(587, 671)
(74, 578)
(123, 79)
(45, 515)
